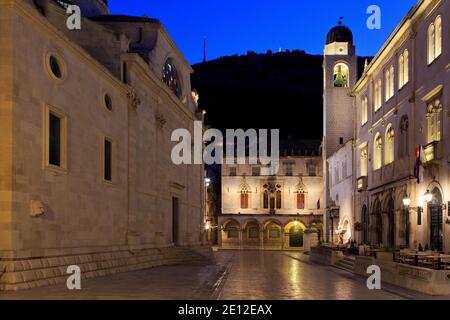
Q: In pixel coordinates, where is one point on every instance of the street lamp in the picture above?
(407, 201)
(427, 197)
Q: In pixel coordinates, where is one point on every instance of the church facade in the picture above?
(398, 130)
(276, 212)
(86, 176)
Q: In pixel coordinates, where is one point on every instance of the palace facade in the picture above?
(399, 133)
(277, 212)
(86, 115)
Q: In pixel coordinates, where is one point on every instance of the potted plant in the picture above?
(387, 254)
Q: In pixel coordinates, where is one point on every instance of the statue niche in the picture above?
(341, 75)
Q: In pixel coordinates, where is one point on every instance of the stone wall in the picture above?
(433, 282)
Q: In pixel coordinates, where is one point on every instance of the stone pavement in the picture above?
(236, 275)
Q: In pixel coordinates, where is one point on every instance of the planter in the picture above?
(363, 249)
(385, 256)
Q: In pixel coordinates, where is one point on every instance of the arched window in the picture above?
(170, 77)
(389, 150)
(401, 66)
(278, 194)
(364, 106)
(377, 95)
(363, 161)
(438, 31)
(435, 39)
(300, 201)
(365, 224)
(404, 136)
(272, 196)
(403, 69)
(387, 82)
(377, 223)
(266, 199)
(244, 197)
(341, 75)
(431, 43)
(434, 120)
(377, 148)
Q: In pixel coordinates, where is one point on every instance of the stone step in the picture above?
(33, 273)
(348, 263)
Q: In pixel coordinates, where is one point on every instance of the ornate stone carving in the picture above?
(133, 99)
(36, 208)
(160, 120)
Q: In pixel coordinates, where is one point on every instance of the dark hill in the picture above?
(267, 91)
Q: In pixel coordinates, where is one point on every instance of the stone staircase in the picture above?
(190, 255)
(348, 263)
(27, 274)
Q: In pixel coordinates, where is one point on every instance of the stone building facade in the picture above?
(276, 212)
(400, 110)
(86, 176)
(341, 214)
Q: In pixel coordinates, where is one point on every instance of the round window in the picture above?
(108, 102)
(55, 67)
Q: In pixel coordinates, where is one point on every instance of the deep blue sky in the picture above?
(237, 26)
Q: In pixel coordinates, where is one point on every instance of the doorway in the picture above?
(435, 209)
(391, 223)
(296, 237)
(175, 220)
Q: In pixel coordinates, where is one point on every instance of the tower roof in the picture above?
(340, 33)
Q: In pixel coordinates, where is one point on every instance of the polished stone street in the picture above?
(236, 275)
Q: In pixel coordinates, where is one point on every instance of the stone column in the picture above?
(133, 239)
(241, 231)
(261, 239)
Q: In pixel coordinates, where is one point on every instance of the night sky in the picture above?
(237, 26)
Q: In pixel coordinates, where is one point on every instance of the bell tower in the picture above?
(340, 75)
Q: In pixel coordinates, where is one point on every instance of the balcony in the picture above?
(361, 184)
(431, 152)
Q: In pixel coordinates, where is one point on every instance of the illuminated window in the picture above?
(171, 79)
(434, 121)
(377, 155)
(403, 69)
(389, 83)
(435, 39)
(364, 107)
(389, 149)
(377, 96)
(363, 161)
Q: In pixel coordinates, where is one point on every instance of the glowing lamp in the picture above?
(406, 202)
(427, 197)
